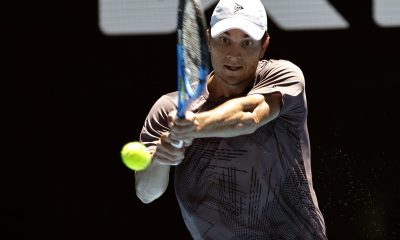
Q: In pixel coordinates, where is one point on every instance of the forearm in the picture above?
(236, 117)
(151, 183)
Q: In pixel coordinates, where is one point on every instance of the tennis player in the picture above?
(245, 169)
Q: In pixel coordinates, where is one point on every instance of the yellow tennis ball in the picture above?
(136, 156)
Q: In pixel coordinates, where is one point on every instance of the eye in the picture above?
(224, 40)
(247, 43)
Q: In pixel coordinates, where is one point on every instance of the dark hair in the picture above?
(264, 37)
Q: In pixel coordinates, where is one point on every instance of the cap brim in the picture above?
(246, 26)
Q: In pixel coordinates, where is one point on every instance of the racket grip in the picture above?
(178, 144)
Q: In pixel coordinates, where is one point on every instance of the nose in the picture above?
(234, 53)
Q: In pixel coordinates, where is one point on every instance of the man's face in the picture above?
(234, 57)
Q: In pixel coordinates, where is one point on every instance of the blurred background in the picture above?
(82, 75)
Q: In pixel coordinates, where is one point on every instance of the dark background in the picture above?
(75, 96)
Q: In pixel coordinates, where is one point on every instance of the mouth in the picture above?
(232, 68)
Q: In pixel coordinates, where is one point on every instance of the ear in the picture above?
(264, 47)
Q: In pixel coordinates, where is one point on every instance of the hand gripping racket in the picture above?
(192, 55)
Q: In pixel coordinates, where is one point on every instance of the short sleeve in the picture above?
(156, 121)
(285, 77)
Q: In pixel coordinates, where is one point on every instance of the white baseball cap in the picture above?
(247, 15)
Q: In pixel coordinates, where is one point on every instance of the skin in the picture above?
(234, 57)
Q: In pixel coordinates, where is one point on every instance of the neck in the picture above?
(218, 89)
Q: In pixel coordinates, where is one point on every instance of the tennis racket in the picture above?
(192, 55)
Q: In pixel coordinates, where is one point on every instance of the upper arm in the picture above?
(151, 183)
(156, 122)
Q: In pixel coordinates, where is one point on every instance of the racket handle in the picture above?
(178, 144)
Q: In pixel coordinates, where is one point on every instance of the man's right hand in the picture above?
(166, 153)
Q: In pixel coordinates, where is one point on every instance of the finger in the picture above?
(182, 133)
(166, 153)
(172, 116)
(169, 155)
(189, 119)
(169, 138)
(189, 115)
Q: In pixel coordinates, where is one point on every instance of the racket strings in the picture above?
(192, 51)
(191, 41)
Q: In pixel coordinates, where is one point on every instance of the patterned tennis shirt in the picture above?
(255, 186)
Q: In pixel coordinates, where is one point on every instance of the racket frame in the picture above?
(186, 94)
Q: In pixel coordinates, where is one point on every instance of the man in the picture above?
(244, 171)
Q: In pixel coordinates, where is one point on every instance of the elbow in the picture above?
(146, 199)
(250, 123)
(252, 128)
(245, 128)
(148, 196)
(148, 193)
(151, 184)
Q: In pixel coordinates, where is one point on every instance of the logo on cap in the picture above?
(237, 8)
